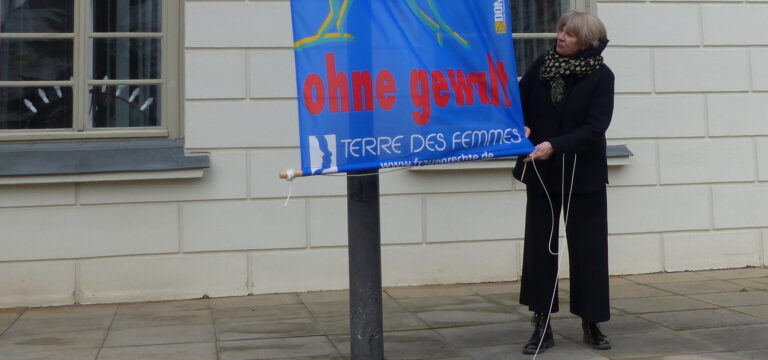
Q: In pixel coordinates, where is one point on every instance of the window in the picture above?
(534, 24)
(89, 69)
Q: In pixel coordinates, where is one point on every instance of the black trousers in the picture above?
(587, 237)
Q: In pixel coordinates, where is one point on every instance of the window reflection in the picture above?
(124, 106)
(537, 16)
(126, 59)
(33, 59)
(40, 16)
(127, 15)
(36, 108)
(527, 50)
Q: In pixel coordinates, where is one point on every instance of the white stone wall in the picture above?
(691, 105)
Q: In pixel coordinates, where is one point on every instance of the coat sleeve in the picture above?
(598, 118)
(526, 82)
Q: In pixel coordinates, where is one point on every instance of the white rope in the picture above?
(290, 175)
(566, 211)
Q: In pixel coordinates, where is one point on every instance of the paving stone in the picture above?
(731, 355)
(428, 291)
(760, 311)
(249, 328)
(660, 304)
(750, 284)
(339, 325)
(744, 298)
(160, 335)
(619, 281)
(452, 318)
(504, 299)
(571, 328)
(70, 312)
(337, 308)
(163, 306)
(76, 354)
(495, 288)
(636, 290)
(754, 337)
(57, 325)
(741, 273)
(699, 319)
(154, 319)
(655, 344)
(86, 339)
(437, 303)
(315, 347)
(661, 278)
(517, 332)
(421, 344)
(203, 351)
(564, 349)
(8, 317)
(254, 300)
(263, 312)
(700, 287)
(323, 296)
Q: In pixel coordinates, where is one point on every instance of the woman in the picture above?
(567, 99)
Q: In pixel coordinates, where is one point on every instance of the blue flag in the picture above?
(391, 83)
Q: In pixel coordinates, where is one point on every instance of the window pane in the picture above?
(124, 106)
(126, 59)
(126, 15)
(527, 50)
(35, 108)
(26, 59)
(41, 16)
(537, 16)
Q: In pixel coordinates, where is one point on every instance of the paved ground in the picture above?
(676, 316)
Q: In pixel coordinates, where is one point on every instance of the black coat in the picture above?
(574, 126)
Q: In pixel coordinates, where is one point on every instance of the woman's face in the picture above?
(567, 43)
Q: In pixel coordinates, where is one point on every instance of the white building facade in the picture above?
(691, 105)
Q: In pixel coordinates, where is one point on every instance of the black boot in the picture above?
(593, 337)
(542, 338)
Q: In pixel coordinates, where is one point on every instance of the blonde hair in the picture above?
(587, 28)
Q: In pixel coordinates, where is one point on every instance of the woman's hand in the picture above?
(542, 151)
(527, 131)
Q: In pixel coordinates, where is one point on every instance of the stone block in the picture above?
(39, 283)
(166, 277)
(464, 217)
(740, 205)
(272, 74)
(215, 74)
(658, 116)
(711, 250)
(737, 24)
(88, 231)
(238, 24)
(243, 225)
(225, 179)
(737, 114)
(682, 161)
(759, 57)
(701, 70)
(300, 270)
(673, 24)
(37, 195)
(660, 208)
(762, 158)
(241, 124)
(449, 263)
(634, 254)
(642, 168)
(632, 68)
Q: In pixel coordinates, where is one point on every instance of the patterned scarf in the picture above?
(557, 67)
